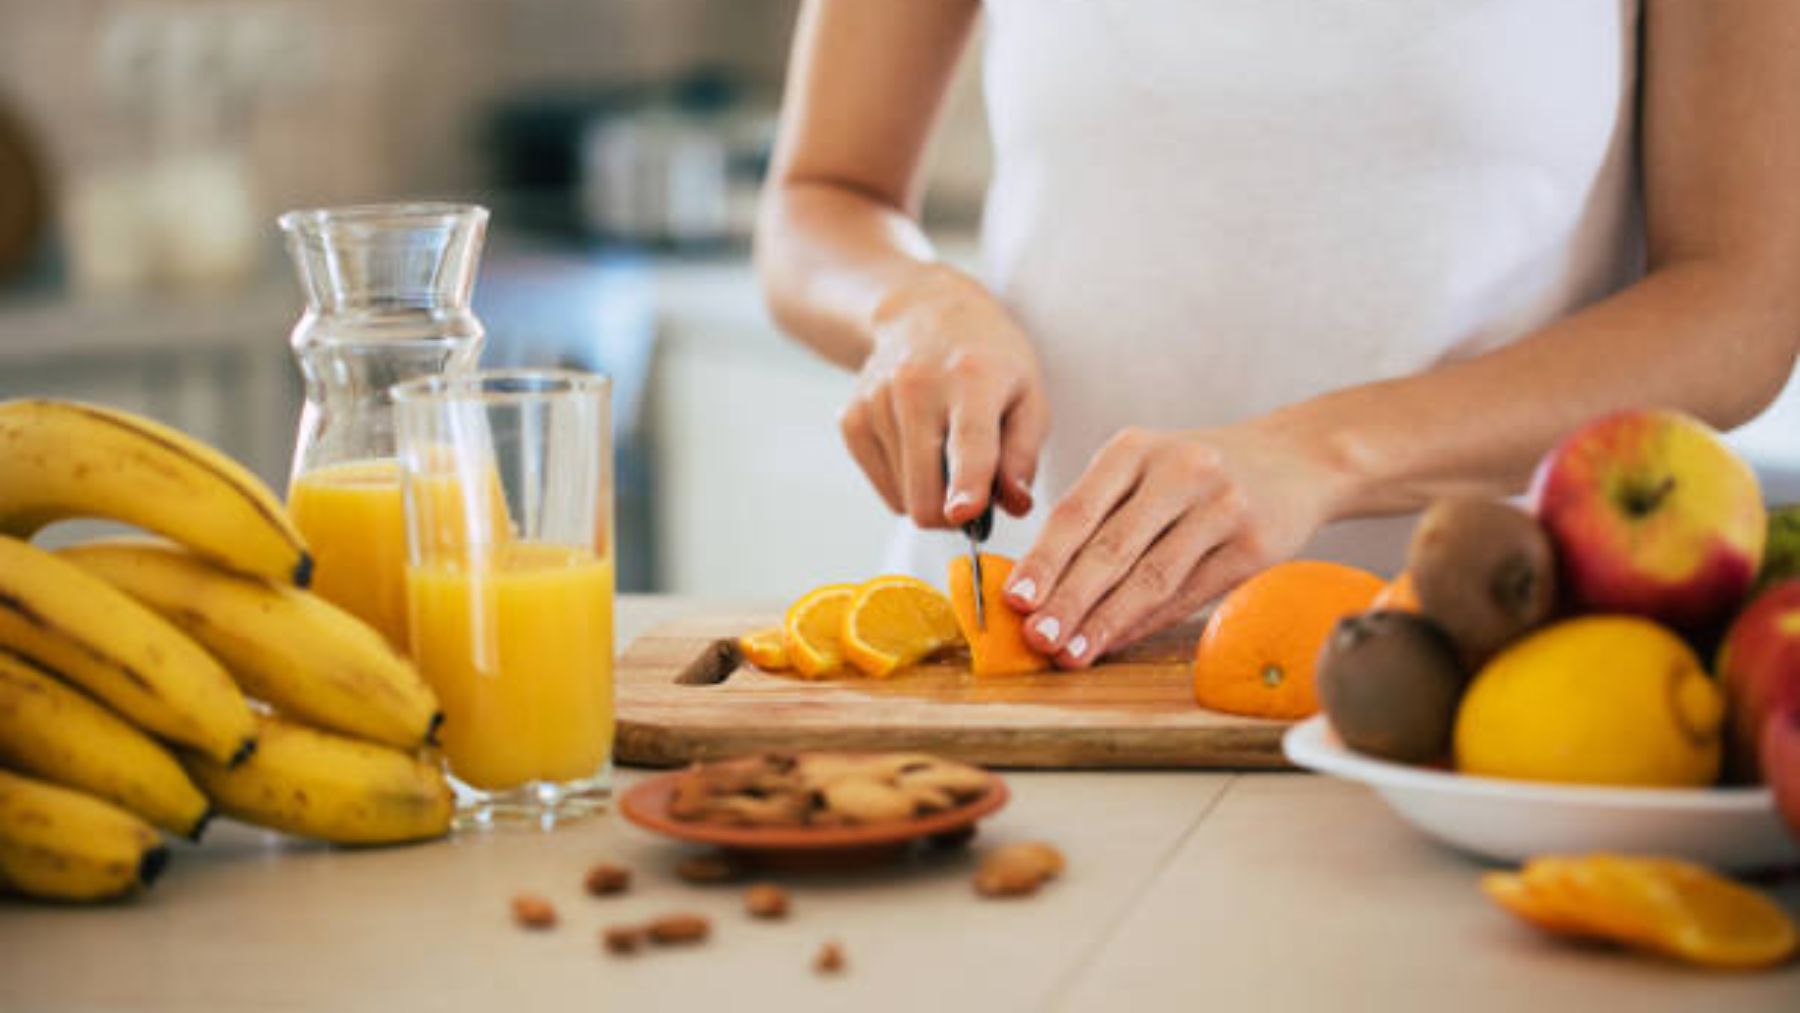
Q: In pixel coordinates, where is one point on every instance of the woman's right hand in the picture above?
(950, 378)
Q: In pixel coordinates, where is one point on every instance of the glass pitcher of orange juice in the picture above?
(387, 300)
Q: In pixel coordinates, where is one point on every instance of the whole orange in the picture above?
(1257, 653)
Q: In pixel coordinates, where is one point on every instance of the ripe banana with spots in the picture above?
(61, 459)
(50, 731)
(317, 784)
(59, 844)
(63, 618)
(290, 649)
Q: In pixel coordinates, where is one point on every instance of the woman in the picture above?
(1275, 264)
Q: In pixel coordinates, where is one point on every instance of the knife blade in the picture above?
(977, 532)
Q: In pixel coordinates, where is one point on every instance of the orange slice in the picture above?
(1658, 904)
(894, 622)
(765, 648)
(1689, 912)
(813, 627)
(1513, 893)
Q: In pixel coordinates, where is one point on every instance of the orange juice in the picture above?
(354, 520)
(519, 649)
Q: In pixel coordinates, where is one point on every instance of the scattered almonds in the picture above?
(830, 959)
(532, 911)
(766, 900)
(677, 929)
(708, 869)
(604, 880)
(622, 939)
(1017, 870)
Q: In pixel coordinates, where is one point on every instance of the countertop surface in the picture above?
(1184, 891)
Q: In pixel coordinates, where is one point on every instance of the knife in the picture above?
(976, 531)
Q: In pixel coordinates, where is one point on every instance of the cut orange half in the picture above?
(894, 622)
(765, 648)
(813, 629)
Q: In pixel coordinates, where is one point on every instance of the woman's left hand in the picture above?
(1161, 523)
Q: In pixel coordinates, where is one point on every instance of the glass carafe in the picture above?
(387, 300)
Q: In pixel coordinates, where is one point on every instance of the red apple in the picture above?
(1652, 515)
(1781, 758)
(1759, 665)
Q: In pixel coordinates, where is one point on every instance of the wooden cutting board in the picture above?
(680, 699)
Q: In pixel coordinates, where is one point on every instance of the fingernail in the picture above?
(1048, 628)
(958, 499)
(1078, 647)
(1024, 591)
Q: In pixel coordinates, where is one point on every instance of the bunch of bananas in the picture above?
(127, 667)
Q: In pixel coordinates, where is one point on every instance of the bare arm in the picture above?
(943, 370)
(1162, 522)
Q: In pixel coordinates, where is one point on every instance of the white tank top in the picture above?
(1203, 210)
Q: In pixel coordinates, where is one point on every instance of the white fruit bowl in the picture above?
(1735, 829)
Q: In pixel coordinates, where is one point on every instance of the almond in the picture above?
(532, 911)
(604, 880)
(677, 929)
(766, 900)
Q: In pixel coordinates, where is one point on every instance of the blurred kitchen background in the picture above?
(145, 148)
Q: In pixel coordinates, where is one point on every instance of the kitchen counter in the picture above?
(1184, 891)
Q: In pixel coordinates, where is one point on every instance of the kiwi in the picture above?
(1484, 571)
(1390, 683)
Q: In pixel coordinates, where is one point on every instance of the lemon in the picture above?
(1599, 700)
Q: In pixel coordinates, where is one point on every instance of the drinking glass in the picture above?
(507, 479)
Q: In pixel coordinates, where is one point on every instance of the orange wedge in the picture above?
(894, 622)
(813, 629)
(765, 648)
(1000, 648)
(1658, 904)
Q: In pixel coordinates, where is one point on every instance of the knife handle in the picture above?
(983, 525)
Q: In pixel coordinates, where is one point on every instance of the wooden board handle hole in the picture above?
(713, 665)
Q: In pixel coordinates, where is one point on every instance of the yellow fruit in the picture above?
(766, 649)
(814, 627)
(1612, 700)
(894, 622)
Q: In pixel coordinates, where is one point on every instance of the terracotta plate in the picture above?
(647, 805)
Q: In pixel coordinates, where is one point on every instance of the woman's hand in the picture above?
(1161, 523)
(951, 378)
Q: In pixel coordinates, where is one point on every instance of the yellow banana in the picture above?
(291, 649)
(65, 619)
(61, 459)
(59, 844)
(316, 784)
(50, 731)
